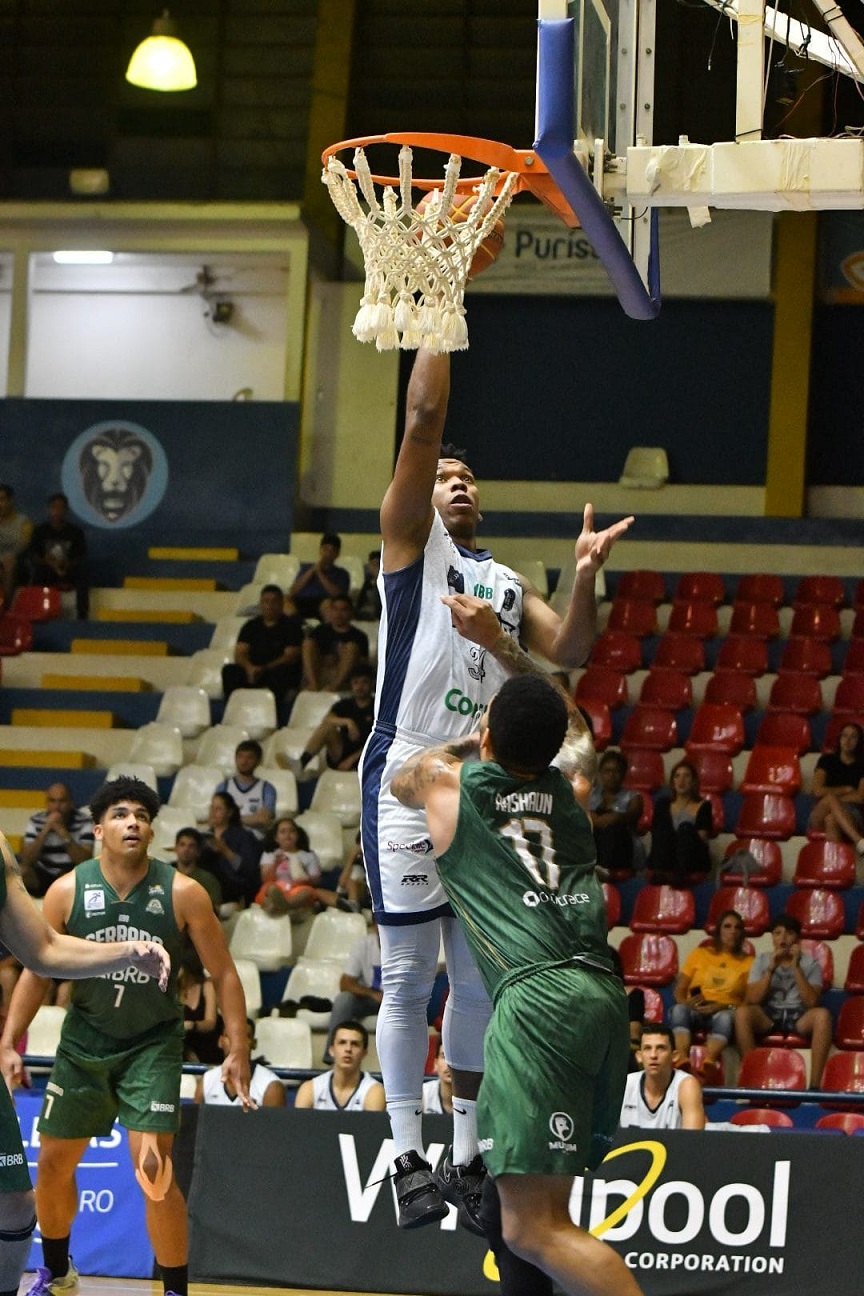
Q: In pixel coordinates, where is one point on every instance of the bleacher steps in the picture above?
(122, 647)
(27, 798)
(210, 605)
(169, 582)
(100, 683)
(56, 717)
(179, 553)
(168, 615)
(103, 747)
(146, 673)
(15, 840)
(33, 759)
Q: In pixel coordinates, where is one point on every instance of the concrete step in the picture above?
(27, 760)
(57, 716)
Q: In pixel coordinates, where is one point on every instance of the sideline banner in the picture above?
(301, 1199)
(109, 1236)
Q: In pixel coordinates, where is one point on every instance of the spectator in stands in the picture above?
(55, 840)
(783, 992)
(710, 986)
(57, 555)
(290, 873)
(352, 884)
(438, 1091)
(15, 533)
(368, 605)
(254, 797)
(187, 855)
(658, 1096)
(231, 852)
(268, 650)
(332, 649)
(265, 1087)
(321, 579)
(615, 812)
(346, 1087)
(201, 1021)
(360, 986)
(344, 730)
(838, 787)
(680, 828)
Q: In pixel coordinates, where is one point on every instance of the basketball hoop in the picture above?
(417, 258)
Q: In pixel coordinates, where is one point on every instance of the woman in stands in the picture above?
(231, 852)
(710, 986)
(290, 873)
(201, 1019)
(680, 830)
(838, 787)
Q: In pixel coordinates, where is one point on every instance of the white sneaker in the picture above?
(45, 1285)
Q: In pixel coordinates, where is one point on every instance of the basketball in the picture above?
(489, 249)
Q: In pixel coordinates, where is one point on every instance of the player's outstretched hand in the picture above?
(473, 618)
(12, 1068)
(235, 1069)
(593, 547)
(152, 959)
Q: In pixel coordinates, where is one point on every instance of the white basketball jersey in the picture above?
(214, 1090)
(635, 1110)
(322, 1090)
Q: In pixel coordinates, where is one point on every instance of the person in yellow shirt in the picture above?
(710, 986)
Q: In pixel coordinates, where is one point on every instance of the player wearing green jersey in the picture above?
(516, 858)
(121, 1048)
(25, 932)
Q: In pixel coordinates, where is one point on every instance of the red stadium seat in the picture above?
(778, 729)
(667, 688)
(737, 689)
(612, 897)
(647, 586)
(692, 618)
(663, 909)
(858, 597)
(16, 636)
(760, 589)
(762, 1116)
(766, 814)
(853, 662)
(848, 1122)
(768, 858)
(601, 722)
(826, 864)
(714, 769)
(821, 952)
(759, 619)
(854, 983)
(809, 656)
(601, 684)
(679, 652)
(849, 1031)
(773, 1068)
(748, 901)
(742, 653)
(849, 698)
(858, 625)
(649, 958)
(37, 603)
(821, 589)
(718, 726)
(621, 652)
(645, 771)
(815, 621)
(718, 813)
(631, 616)
(772, 769)
(796, 693)
(701, 587)
(819, 911)
(650, 727)
(844, 1073)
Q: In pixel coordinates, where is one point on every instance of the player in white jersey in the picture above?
(658, 1096)
(345, 1087)
(432, 682)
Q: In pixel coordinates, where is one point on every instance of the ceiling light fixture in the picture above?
(83, 257)
(162, 61)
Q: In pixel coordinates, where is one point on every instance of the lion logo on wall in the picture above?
(115, 469)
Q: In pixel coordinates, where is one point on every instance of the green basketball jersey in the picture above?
(520, 875)
(126, 1003)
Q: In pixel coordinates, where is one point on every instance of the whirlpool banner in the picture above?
(752, 1214)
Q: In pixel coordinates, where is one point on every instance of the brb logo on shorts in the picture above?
(561, 1128)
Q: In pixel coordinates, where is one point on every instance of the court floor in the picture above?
(143, 1287)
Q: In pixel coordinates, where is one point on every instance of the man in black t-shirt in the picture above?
(268, 650)
(333, 648)
(346, 726)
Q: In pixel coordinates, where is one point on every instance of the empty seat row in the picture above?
(710, 587)
(686, 653)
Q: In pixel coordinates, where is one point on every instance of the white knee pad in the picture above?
(409, 961)
(468, 1008)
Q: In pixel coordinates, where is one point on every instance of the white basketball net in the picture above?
(416, 262)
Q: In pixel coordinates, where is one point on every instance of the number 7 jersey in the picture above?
(520, 875)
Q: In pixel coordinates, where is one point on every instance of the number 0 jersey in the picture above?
(520, 875)
(124, 1004)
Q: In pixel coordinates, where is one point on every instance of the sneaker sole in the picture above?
(430, 1216)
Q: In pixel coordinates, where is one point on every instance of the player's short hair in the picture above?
(657, 1028)
(124, 788)
(249, 745)
(357, 1027)
(788, 922)
(451, 451)
(527, 723)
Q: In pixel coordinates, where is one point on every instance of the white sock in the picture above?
(405, 1122)
(464, 1130)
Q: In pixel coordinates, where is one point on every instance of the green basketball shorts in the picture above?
(14, 1175)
